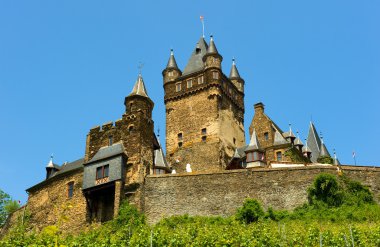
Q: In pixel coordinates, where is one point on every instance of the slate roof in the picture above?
(106, 152)
(65, 168)
(254, 142)
(159, 158)
(139, 88)
(195, 62)
(278, 138)
(324, 151)
(298, 142)
(212, 48)
(313, 142)
(234, 73)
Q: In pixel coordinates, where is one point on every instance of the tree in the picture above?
(7, 206)
(250, 212)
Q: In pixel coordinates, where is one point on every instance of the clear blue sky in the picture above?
(66, 66)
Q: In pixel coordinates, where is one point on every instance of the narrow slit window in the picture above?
(110, 140)
(204, 138)
(180, 137)
(204, 131)
(266, 136)
(279, 156)
(70, 189)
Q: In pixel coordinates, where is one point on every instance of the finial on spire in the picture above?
(141, 65)
(158, 131)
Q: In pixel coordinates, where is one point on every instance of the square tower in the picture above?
(204, 111)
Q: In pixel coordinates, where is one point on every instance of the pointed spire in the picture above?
(139, 88)
(313, 142)
(298, 141)
(305, 150)
(172, 64)
(212, 48)
(234, 73)
(336, 161)
(254, 143)
(50, 164)
(323, 149)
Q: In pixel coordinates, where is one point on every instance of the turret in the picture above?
(51, 168)
(171, 72)
(289, 136)
(235, 77)
(306, 151)
(323, 152)
(254, 154)
(138, 100)
(298, 143)
(212, 59)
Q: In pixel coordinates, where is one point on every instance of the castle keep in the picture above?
(208, 168)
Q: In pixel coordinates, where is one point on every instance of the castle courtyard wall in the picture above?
(223, 192)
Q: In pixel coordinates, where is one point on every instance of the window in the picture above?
(255, 156)
(249, 157)
(178, 87)
(130, 128)
(110, 140)
(204, 138)
(200, 80)
(180, 137)
(189, 83)
(102, 172)
(70, 189)
(170, 73)
(215, 75)
(179, 144)
(204, 131)
(279, 156)
(234, 139)
(266, 136)
(159, 171)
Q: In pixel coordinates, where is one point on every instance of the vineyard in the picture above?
(340, 212)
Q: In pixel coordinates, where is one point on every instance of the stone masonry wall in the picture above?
(47, 204)
(223, 192)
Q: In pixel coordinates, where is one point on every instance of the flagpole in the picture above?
(203, 25)
(354, 156)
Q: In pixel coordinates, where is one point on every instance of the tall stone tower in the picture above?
(204, 111)
(130, 137)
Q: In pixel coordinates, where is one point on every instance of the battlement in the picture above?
(107, 126)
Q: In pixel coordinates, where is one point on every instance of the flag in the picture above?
(353, 154)
(201, 17)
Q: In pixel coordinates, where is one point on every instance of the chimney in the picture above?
(259, 107)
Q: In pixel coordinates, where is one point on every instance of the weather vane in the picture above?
(141, 65)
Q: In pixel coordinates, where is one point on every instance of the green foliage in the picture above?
(4, 198)
(250, 212)
(11, 206)
(325, 160)
(356, 220)
(325, 189)
(296, 156)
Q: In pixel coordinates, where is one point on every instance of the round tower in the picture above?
(171, 72)
(212, 58)
(235, 77)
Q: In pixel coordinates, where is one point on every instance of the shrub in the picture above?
(250, 212)
(326, 189)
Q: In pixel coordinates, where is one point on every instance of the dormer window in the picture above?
(189, 83)
(102, 172)
(178, 87)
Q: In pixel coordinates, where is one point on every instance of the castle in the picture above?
(205, 131)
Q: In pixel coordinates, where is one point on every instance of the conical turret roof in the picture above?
(254, 142)
(172, 64)
(139, 88)
(212, 48)
(324, 151)
(234, 73)
(313, 142)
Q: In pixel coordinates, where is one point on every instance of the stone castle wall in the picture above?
(49, 204)
(222, 193)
